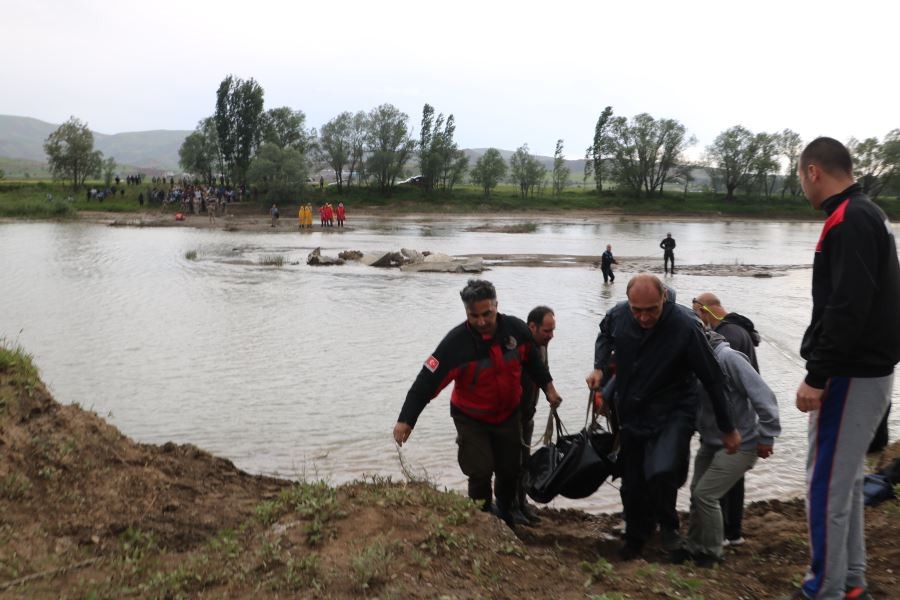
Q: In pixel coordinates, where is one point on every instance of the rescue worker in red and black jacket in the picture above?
(484, 357)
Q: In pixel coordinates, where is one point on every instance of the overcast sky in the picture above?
(510, 72)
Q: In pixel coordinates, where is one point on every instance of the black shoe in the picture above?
(630, 551)
(704, 561)
(519, 517)
(670, 539)
(506, 515)
(529, 513)
(679, 556)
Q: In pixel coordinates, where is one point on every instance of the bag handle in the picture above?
(553, 422)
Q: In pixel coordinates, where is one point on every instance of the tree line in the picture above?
(275, 150)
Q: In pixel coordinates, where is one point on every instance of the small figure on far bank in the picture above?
(341, 213)
(668, 246)
(607, 260)
(274, 214)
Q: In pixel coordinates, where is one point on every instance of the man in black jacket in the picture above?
(661, 351)
(851, 346)
(668, 247)
(484, 357)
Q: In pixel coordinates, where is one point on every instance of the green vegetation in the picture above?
(372, 564)
(28, 200)
(191, 255)
(598, 571)
(42, 199)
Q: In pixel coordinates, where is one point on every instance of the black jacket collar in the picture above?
(830, 204)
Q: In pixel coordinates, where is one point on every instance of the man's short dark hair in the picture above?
(829, 154)
(477, 290)
(538, 313)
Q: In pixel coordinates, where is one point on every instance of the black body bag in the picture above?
(575, 465)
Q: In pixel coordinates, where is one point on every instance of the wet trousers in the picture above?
(668, 257)
(653, 468)
(487, 450)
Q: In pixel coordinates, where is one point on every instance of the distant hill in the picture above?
(23, 138)
(22, 144)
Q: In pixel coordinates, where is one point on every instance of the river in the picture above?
(300, 371)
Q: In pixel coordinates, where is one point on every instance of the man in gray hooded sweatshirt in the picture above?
(755, 415)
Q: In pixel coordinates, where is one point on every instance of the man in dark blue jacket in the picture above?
(851, 346)
(661, 351)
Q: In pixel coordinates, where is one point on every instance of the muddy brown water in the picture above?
(301, 371)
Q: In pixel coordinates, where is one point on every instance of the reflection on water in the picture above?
(302, 371)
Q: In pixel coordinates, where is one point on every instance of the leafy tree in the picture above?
(560, 170)
(428, 166)
(239, 122)
(875, 163)
(489, 170)
(644, 150)
(526, 171)
(2, 174)
(683, 173)
(199, 153)
(593, 156)
(766, 163)
(336, 145)
(279, 172)
(70, 153)
(286, 128)
(441, 162)
(454, 169)
(790, 145)
(358, 129)
(388, 144)
(109, 171)
(735, 153)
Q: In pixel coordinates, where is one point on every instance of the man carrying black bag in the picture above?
(661, 351)
(542, 323)
(484, 357)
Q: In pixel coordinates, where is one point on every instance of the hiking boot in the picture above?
(670, 539)
(857, 593)
(630, 551)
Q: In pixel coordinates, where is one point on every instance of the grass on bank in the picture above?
(28, 199)
(36, 199)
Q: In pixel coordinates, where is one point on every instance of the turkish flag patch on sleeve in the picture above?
(432, 364)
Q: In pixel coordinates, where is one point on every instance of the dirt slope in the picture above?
(87, 513)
